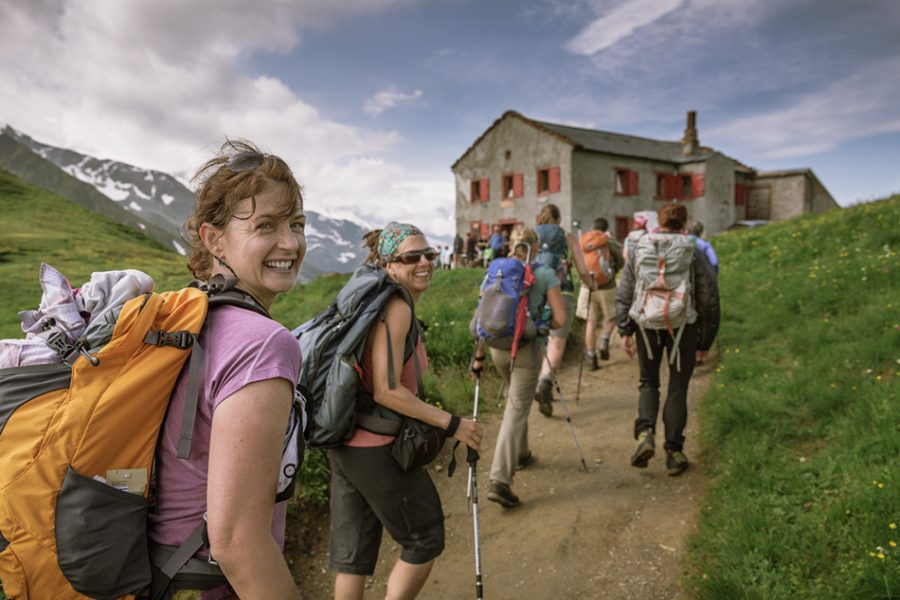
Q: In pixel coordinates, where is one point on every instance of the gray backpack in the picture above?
(332, 345)
(663, 293)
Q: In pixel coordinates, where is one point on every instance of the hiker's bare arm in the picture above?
(244, 457)
(580, 265)
(397, 318)
(557, 307)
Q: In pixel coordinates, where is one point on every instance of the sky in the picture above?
(372, 101)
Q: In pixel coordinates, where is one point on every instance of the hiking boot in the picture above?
(604, 350)
(676, 463)
(544, 397)
(592, 361)
(502, 495)
(526, 460)
(644, 451)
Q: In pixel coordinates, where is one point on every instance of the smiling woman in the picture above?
(247, 228)
(370, 491)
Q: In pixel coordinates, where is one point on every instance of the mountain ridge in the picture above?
(157, 203)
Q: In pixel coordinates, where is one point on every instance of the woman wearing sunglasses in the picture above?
(249, 225)
(369, 491)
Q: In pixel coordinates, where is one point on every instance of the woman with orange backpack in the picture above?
(248, 225)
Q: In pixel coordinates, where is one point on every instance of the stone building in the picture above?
(518, 164)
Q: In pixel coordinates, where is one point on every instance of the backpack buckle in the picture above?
(180, 339)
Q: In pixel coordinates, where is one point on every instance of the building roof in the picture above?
(593, 140)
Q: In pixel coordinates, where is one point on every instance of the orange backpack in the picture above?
(77, 446)
(597, 258)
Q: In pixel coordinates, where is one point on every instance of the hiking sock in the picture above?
(604, 346)
(592, 359)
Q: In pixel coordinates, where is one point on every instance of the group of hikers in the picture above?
(225, 487)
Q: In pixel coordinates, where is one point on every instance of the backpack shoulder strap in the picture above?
(221, 292)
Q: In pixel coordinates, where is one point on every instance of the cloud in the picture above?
(860, 104)
(619, 23)
(160, 84)
(386, 99)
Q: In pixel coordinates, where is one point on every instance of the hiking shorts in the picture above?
(563, 332)
(370, 493)
(603, 304)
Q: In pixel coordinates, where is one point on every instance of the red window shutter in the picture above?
(518, 185)
(485, 190)
(698, 185)
(485, 231)
(671, 187)
(632, 184)
(554, 180)
(740, 194)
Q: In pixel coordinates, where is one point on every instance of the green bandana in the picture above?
(392, 236)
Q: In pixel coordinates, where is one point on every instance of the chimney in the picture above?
(691, 142)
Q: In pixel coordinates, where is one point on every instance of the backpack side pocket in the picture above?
(101, 538)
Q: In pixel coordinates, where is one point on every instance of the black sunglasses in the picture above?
(244, 161)
(414, 256)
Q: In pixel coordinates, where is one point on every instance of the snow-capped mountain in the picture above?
(159, 202)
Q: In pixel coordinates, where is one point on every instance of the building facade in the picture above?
(518, 165)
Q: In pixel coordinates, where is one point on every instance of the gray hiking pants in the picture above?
(512, 439)
(675, 409)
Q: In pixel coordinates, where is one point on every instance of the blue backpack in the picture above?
(552, 245)
(503, 302)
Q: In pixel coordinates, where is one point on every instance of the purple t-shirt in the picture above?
(241, 347)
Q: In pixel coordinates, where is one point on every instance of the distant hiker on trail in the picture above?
(555, 246)
(446, 258)
(512, 451)
(603, 258)
(248, 224)
(369, 490)
(668, 299)
(695, 231)
(458, 250)
(471, 249)
(497, 243)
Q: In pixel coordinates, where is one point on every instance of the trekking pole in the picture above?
(562, 400)
(472, 459)
(586, 321)
(500, 391)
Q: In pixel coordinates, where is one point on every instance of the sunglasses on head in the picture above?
(414, 256)
(244, 161)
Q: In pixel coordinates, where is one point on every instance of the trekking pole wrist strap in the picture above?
(453, 426)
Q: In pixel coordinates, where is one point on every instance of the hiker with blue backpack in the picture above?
(519, 300)
(555, 246)
(667, 299)
(370, 489)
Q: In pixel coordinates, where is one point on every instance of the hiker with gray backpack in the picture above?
(520, 300)
(364, 357)
(667, 300)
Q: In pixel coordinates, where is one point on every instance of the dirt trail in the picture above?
(613, 532)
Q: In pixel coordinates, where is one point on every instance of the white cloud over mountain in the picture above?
(160, 85)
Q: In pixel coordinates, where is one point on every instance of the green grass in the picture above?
(802, 421)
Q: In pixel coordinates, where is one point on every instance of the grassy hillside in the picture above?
(802, 423)
(38, 226)
(17, 158)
